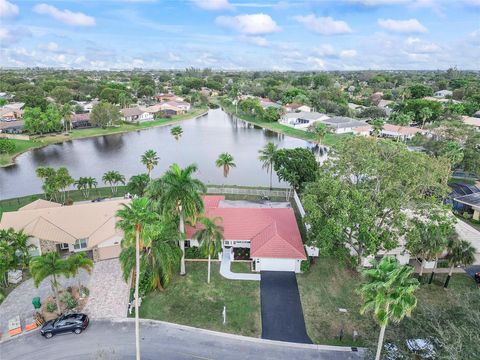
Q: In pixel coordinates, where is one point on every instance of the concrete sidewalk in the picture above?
(227, 273)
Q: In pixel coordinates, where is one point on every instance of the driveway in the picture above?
(109, 293)
(282, 313)
(115, 340)
(19, 301)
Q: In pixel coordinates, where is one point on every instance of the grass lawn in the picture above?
(329, 285)
(24, 145)
(189, 300)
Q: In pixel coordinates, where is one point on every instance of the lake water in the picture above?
(202, 141)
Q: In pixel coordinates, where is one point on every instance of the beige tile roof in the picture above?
(40, 204)
(66, 224)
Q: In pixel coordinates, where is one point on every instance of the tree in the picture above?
(85, 185)
(62, 95)
(295, 166)
(460, 252)
(137, 184)
(63, 182)
(105, 114)
(377, 126)
(389, 293)
(266, 156)
(113, 178)
(425, 114)
(133, 219)
(418, 91)
(355, 207)
(210, 237)
(150, 160)
(176, 132)
(182, 196)
(14, 251)
(79, 261)
(226, 161)
(39, 122)
(320, 130)
(54, 181)
(66, 112)
(271, 114)
(7, 146)
(429, 234)
(46, 265)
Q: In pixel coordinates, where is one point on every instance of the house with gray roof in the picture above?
(303, 119)
(343, 124)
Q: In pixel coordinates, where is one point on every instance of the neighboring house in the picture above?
(168, 97)
(182, 105)
(266, 103)
(11, 112)
(86, 227)
(271, 234)
(302, 120)
(459, 190)
(470, 120)
(401, 132)
(443, 93)
(11, 127)
(362, 130)
(297, 107)
(471, 204)
(386, 105)
(80, 121)
(343, 124)
(135, 114)
(168, 109)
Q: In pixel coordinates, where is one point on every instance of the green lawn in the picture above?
(24, 145)
(189, 300)
(329, 285)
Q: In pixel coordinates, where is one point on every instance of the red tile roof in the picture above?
(273, 232)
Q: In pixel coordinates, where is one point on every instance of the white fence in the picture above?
(299, 204)
(247, 191)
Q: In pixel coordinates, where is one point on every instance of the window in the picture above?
(64, 246)
(80, 244)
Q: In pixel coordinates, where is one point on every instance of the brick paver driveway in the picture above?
(109, 293)
(19, 301)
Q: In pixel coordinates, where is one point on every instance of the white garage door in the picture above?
(267, 264)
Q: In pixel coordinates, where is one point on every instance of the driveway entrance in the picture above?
(282, 313)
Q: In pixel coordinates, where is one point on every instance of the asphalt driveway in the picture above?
(282, 313)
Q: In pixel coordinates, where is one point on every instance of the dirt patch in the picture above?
(74, 291)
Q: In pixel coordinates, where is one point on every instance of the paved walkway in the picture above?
(19, 301)
(227, 273)
(282, 313)
(109, 293)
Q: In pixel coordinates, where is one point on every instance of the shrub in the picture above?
(84, 291)
(6, 146)
(69, 301)
(51, 306)
(194, 253)
(305, 265)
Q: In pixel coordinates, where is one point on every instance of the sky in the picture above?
(241, 34)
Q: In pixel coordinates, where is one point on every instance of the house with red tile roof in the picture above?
(271, 234)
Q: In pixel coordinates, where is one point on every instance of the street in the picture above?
(116, 340)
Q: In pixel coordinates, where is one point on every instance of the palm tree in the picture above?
(150, 160)
(137, 184)
(460, 252)
(319, 130)
(176, 132)
(210, 237)
(66, 112)
(79, 261)
(85, 185)
(377, 125)
(159, 254)
(133, 218)
(226, 161)
(113, 178)
(425, 114)
(266, 156)
(46, 265)
(182, 196)
(19, 240)
(389, 292)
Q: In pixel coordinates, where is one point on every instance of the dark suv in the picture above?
(75, 323)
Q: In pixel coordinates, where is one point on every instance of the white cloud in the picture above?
(9, 35)
(214, 4)
(51, 46)
(8, 9)
(65, 16)
(348, 53)
(417, 46)
(402, 26)
(249, 24)
(378, 2)
(324, 25)
(324, 50)
(173, 57)
(255, 40)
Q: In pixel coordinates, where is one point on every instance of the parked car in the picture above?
(477, 277)
(74, 323)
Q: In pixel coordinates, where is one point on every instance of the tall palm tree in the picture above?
(226, 161)
(182, 196)
(150, 160)
(377, 126)
(133, 218)
(389, 293)
(66, 111)
(176, 132)
(113, 178)
(19, 240)
(46, 265)
(266, 156)
(425, 114)
(79, 261)
(85, 185)
(460, 252)
(137, 184)
(320, 130)
(210, 237)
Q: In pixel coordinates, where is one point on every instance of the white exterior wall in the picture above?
(276, 264)
(35, 242)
